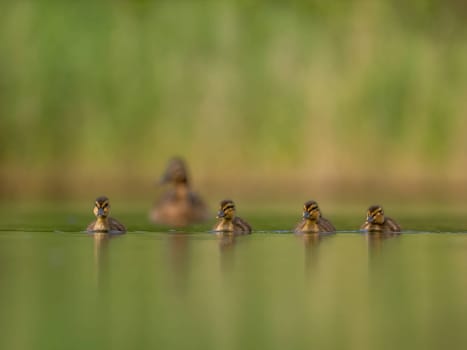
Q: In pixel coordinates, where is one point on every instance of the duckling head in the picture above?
(311, 211)
(176, 172)
(101, 207)
(375, 215)
(227, 210)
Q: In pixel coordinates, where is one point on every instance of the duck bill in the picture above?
(306, 215)
(220, 215)
(100, 212)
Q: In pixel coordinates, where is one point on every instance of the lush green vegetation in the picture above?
(253, 93)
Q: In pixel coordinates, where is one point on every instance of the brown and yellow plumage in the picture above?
(228, 221)
(178, 206)
(313, 221)
(376, 221)
(103, 222)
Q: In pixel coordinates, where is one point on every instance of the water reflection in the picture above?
(227, 243)
(376, 242)
(101, 255)
(179, 259)
(412, 295)
(101, 244)
(380, 258)
(312, 243)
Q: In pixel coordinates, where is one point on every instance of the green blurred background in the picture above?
(265, 99)
(271, 103)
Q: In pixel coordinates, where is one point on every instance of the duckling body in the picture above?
(178, 206)
(104, 223)
(228, 221)
(313, 221)
(307, 226)
(236, 225)
(376, 221)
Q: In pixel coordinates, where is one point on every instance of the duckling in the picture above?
(376, 221)
(178, 206)
(228, 221)
(104, 223)
(313, 221)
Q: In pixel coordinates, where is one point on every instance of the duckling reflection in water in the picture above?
(313, 221)
(226, 241)
(101, 261)
(312, 243)
(178, 206)
(228, 221)
(103, 223)
(376, 241)
(376, 221)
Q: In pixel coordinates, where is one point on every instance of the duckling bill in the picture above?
(313, 221)
(228, 221)
(376, 221)
(103, 222)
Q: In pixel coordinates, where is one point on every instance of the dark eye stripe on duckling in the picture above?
(376, 212)
(311, 208)
(227, 207)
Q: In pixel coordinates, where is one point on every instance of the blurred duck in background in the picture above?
(376, 221)
(178, 206)
(104, 223)
(228, 221)
(313, 221)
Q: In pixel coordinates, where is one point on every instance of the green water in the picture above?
(63, 289)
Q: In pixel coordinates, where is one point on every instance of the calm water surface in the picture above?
(63, 289)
